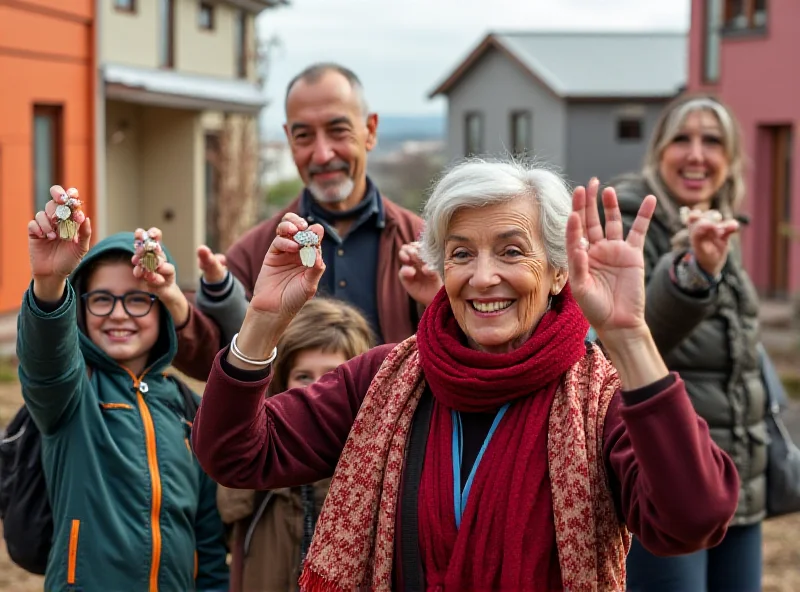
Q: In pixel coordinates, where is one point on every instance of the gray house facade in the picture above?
(584, 102)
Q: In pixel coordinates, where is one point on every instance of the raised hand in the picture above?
(213, 265)
(284, 284)
(160, 281)
(420, 281)
(53, 259)
(710, 240)
(606, 271)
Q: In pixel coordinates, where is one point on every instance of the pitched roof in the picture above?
(590, 64)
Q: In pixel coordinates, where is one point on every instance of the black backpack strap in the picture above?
(189, 404)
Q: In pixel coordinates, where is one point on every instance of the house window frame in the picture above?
(54, 112)
(712, 40)
(132, 9)
(209, 9)
(468, 116)
(622, 121)
(747, 16)
(168, 29)
(241, 41)
(514, 141)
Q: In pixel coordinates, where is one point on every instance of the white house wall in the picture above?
(133, 38)
(172, 183)
(130, 38)
(496, 87)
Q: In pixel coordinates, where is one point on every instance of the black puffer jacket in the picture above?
(711, 341)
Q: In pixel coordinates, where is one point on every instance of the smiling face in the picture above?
(330, 137)
(496, 274)
(125, 339)
(310, 365)
(694, 164)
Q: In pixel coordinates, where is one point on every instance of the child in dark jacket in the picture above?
(132, 509)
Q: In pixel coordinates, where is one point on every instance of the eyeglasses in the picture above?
(101, 303)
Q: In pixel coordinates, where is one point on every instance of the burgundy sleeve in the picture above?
(244, 440)
(199, 342)
(676, 490)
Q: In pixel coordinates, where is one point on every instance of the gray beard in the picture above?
(332, 194)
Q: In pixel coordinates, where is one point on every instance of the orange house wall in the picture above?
(47, 56)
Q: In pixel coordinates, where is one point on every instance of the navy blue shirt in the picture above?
(351, 263)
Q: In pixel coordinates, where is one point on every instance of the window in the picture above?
(629, 129)
(521, 132)
(125, 5)
(743, 15)
(47, 152)
(166, 49)
(240, 40)
(713, 17)
(473, 134)
(205, 16)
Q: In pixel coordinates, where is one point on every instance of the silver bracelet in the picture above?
(238, 353)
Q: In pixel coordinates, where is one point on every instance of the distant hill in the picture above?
(395, 129)
(412, 127)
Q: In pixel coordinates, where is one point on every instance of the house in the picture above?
(278, 162)
(47, 64)
(178, 121)
(149, 107)
(745, 53)
(585, 102)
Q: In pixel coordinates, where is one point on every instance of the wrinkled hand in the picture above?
(420, 281)
(51, 257)
(607, 279)
(213, 265)
(710, 241)
(284, 284)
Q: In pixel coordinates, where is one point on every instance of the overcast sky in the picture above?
(401, 49)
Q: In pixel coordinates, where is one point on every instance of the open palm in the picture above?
(284, 284)
(607, 278)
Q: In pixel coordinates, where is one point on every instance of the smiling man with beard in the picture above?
(368, 239)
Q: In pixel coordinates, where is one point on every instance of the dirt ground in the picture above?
(781, 544)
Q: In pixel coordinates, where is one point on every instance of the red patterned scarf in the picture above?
(354, 542)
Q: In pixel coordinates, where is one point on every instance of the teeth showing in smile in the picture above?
(120, 333)
(491, 306)
(694, 175)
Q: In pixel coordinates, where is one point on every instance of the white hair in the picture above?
(478, 182)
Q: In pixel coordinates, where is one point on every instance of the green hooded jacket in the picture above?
(132, 509)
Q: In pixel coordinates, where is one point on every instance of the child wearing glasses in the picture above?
(132, 509)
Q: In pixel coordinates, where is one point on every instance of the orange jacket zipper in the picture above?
(155, 479)
(72, 557)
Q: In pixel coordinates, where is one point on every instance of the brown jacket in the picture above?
(272, 562)
(398, 314)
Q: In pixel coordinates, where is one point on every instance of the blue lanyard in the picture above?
(460, 496)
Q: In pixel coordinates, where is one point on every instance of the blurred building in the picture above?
(47, 134)
(181, 91)
(149, 107)
(746, 52)
(585, 102)
(278, 164)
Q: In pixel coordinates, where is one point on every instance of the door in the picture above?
(780, 210)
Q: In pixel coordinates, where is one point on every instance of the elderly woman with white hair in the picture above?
(495, 449)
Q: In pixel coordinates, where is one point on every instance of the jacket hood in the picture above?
(167, 344)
